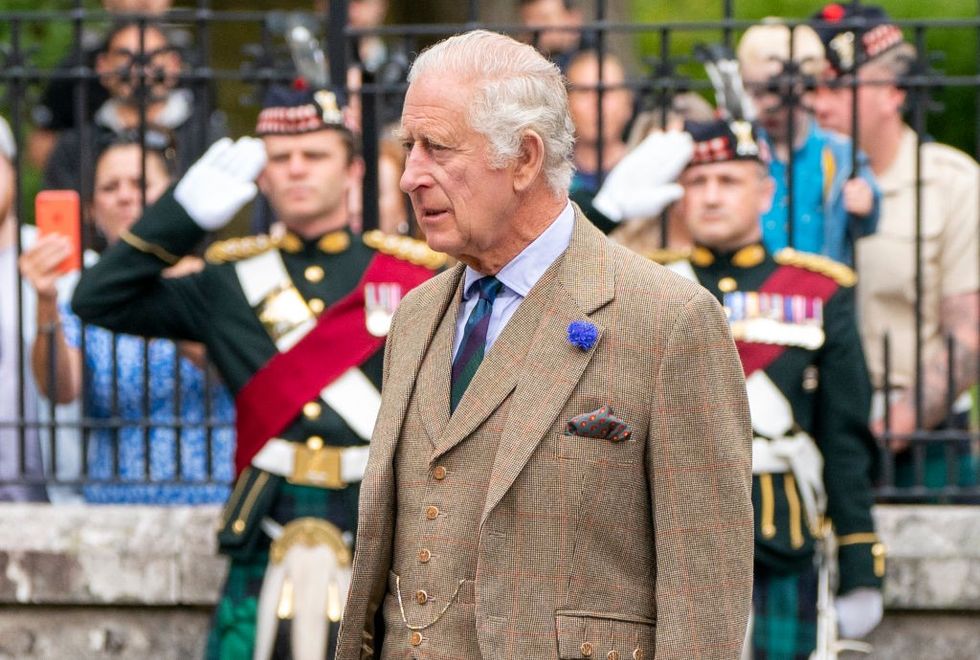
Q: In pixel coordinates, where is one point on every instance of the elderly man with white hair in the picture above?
(832, 205)
(561, 463)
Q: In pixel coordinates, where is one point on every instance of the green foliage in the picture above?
(957, 48)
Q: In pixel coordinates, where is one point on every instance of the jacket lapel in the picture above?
(498, 373)
(434, 374)
(553, 367)
(416, 334)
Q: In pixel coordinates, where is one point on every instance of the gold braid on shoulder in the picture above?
(840, 273)
(405, 248)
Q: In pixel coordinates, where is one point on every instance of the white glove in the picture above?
(643, 183)
(221, 182)
(859, 611)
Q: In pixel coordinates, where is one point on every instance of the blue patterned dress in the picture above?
(170, 389)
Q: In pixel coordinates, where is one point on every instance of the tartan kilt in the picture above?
(233, 625)
(784, 614)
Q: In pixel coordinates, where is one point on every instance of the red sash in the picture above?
(788, 281)
(276, 393)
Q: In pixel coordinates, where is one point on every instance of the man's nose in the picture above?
(711, 192)
(416, 173)
(297, 165)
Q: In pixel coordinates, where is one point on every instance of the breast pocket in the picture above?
(604, 635)
(598, 450)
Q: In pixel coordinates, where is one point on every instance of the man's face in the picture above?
(552, 13)
(583, 101)
(461, 203)
(760, 79)
(307, 176)
(723, 201)
(120, 70)
(878, 99)
(366, 13)
(134, 6)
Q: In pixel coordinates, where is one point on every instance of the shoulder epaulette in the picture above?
(404, 248)
(236, 249)
(840, 273)
(664, 256)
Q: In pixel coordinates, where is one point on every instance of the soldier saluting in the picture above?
(793, 320)
(295, 322)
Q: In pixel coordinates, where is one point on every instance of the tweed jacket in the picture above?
(585, 546)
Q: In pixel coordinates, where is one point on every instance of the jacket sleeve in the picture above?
(126, 290)
(699, 468)
(848, 448)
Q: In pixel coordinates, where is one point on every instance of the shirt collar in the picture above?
(523, 271)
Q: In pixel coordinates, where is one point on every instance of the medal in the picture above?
(380, 302)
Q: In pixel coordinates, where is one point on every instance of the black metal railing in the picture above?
(228, 59)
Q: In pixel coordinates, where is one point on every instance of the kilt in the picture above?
(232, 635)
(784, 614)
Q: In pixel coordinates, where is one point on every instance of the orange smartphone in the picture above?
(59, 212)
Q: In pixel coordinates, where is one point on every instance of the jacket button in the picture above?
(586, 649)
(421, 597)
(312, 410)
(638, 654)
(425, 555)
(314, 443)
(439, 472)
(431, 512)
(313, 274)
(612, 655)
(416, 638)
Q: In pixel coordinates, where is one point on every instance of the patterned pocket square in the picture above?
(601, 424)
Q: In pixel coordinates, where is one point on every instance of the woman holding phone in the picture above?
(140, 395)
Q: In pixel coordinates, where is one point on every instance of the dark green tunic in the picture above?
(829, 392)
(126, 292)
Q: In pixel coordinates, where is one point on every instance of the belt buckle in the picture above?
(318, 467)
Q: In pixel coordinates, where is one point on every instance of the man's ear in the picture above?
(898, 97)
(262, 183)
(767, 191)
(529, 161)
(355, 172)
(101, 66)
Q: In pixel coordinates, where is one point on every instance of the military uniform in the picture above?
(792, 316)
(126, 293)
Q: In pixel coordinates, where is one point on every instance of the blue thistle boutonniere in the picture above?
(582, 334)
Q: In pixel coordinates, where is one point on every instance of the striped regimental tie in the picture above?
(474, 343)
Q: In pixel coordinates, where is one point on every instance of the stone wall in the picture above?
(123, 582)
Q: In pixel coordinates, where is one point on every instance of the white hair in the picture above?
(516, 90)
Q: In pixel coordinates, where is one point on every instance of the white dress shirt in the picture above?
(518, 277)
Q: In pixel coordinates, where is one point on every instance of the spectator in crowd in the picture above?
(56, 110)
(949, 202)
(793, 318)
(595, 149)
(306, 391)
(181, 399)
(832, 208)
(20, 452)
(140, 68)
(557, 26)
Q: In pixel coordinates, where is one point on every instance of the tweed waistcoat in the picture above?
(437, 527)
